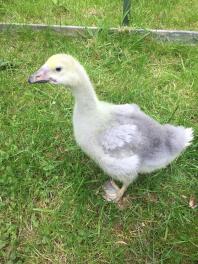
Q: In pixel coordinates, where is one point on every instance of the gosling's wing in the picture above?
(118, 141)
(118, 145)
(134, 134)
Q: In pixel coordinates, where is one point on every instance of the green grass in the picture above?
(51, 207)
(173, 14)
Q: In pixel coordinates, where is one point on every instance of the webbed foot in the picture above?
(112, 193)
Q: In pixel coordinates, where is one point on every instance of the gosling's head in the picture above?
(58, 69)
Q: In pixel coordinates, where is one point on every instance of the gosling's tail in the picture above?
(188, 137)
(178, 138)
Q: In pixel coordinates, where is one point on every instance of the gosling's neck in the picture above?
(84, 93)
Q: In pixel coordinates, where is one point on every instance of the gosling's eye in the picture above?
(58, 69)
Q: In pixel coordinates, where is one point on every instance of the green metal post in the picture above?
(126, 12)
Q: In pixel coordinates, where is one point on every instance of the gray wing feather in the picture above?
(117, 137)
(118, 141)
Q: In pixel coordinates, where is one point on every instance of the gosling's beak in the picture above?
(40, 76)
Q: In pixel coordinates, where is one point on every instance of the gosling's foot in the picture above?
(111, 192)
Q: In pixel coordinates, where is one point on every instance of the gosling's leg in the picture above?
(121, 192)
(113, 192)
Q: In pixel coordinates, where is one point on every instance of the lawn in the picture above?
(172, 14)
(51, 206)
